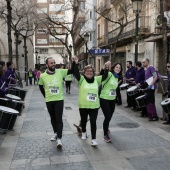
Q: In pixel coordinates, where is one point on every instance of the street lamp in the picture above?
(137, 6)
(36, 55)
(38, 62)
(86, 39)
(70, 48)
(17, 42)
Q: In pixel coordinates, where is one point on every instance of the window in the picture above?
(90, 37)
(91, 14)
(41, 1)
(98, 30)
(56, 1)
(55, 40)
(82, 6)
(44, 51)
(41, 31)
(41, 41)
(42, 10)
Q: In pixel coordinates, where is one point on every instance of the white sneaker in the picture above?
(54, 137)
(59, 143)
(94, 143)
(84, 135)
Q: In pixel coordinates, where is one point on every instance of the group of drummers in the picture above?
(141, 83)
(11, 96)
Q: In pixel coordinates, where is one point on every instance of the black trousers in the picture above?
(93, 117)
(55, 109)
(118, 96)
(68, 85)
(108, 108)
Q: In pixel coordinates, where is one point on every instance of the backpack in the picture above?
(158, 76)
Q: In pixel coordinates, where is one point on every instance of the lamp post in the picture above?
(137, 6)
(17, 42)
(86, 39)
(36, 55)
(9, 20)
(70, 55)
(38, 62)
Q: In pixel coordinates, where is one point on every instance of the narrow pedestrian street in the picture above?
(137, 144)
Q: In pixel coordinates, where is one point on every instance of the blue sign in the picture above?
(100, 51)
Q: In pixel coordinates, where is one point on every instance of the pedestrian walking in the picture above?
(30, 76)
(168, 92)
(51, 87)
(88, 100)
(35, 76)
(68, 80)
(151, 80)
(108, 96)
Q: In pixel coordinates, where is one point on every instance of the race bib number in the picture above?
(54, 90)
(112, 92)
(91, 97)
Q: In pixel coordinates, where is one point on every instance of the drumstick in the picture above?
(162, 88)
(5, 81)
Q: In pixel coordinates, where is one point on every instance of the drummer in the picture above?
(139, 81)
(130, 77)
(3, 87)
(168, 70)
(151, 79)
(9, 73)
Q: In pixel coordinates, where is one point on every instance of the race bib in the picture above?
(112, 92)
(91, 97)
(54, 90)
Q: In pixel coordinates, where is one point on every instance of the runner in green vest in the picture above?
(51, 86)
(68, 80)
(88, 100)
(108, 96)
(30, 76)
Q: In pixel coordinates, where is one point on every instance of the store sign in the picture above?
(100, 51)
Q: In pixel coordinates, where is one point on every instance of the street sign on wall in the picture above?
(100, 51)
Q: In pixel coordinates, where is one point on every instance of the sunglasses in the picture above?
(167, 66)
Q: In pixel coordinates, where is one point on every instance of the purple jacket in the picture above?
(8, 73)
(130, 73)
(140, 76)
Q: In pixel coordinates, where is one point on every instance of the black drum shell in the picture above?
(141, 102)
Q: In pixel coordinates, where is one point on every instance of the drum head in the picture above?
(13, 97)
(16, 101)
(140, 97)
(165, 102)
(5, 99)
(19, 88)
(8, 110)
(133, 88)
(123, 85)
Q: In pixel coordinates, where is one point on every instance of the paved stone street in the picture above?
(137, 144)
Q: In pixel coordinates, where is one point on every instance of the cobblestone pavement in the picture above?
(137, 144)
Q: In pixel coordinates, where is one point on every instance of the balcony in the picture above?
(105, 7)
(129, 30)
(102, 40)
